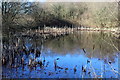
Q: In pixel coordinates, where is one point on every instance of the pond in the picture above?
(77, 55)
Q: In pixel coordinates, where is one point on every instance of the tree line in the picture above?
(31, 15)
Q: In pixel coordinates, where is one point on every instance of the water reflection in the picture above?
(95, 44)
(77, 55)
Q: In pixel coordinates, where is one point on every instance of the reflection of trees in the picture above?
(63, 45)
(96, 44)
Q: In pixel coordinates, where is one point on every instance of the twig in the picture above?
(113, 69)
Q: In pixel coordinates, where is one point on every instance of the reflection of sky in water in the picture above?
(68, 60)
(65, 61)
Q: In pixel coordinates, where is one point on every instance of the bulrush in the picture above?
(83, 50)
(59, 67)
(93, 47)
(57, 58)
(89, 72)
(110, 62)
(40, 62)
(22, 60)
(83, 69)
(44, 61)
(4, 47)
(32, 51)
(30, 62)
(15, 63)
(3, 61)
(24, 50)
(88, 61)
(10, 61)
(38, 53)
(75, 69)
(34, 63)
(55, 65)
(47, 64)
(66, 68)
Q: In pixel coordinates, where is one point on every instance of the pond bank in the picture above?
(64, 31)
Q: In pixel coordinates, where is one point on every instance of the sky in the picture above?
(38, 0)
(75, 0)
(63, 0)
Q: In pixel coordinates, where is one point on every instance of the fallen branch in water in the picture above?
(113, 69)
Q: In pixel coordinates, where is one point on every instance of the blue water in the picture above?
(95, 65)
(65, 61)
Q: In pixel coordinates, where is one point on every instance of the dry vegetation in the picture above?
(16, 14)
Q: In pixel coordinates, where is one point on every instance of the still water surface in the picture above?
(77, 55)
